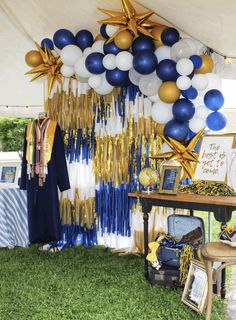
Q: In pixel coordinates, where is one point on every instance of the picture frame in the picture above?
(169, 180)
(9, 174)
(195, 290)
(212, 157)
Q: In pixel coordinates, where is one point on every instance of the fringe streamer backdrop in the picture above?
(108, 141)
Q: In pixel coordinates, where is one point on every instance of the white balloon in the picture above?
(149, 84)
(70, 54)
(154, 98)
(95, 81)
(196, 124)
(67, 71)
(134, 76)
(110, 29)
(201, 112)
(162, 112)
(200, 81)
(214, 81)
(183, 82)
(124, 60)
(184, 66)
(98, 46)
(162, 53)
(87, 51)
(105, 87)
(165, 148)
(180, 50)
(191, 43)
(109, 61)
(56, 53)
(80, 68)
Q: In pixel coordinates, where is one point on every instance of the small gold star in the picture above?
(50, 67)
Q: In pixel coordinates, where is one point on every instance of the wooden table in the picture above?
(221, 206)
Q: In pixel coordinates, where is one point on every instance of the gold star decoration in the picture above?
(183, 153)
(50, 67)
(129, 20)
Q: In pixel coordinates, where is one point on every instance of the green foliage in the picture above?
(12, 133)
(85, 283)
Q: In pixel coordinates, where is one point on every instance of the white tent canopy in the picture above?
(213, 22)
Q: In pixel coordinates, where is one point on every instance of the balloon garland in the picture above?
(134, 70)
(171, 70)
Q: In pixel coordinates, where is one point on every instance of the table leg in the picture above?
(191, 212)
(223, 272)
(146, 208)
(145, 234)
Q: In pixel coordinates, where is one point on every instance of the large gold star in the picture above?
(129, 20)
(183, 153)
(50, 67)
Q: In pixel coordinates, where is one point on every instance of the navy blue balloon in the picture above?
(62, 38)
(145, 62)
(94, 64)
(48, 42)
(117, 77)
(166, 70)
(176, 130)
(183, 110)
(103, 31)
(191, 93)
(84, 39)
(169, 36)
(214, 99)
(216, 121)
(111, 48)
(196, 60)
(143, 43)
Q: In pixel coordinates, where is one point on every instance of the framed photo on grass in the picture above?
(170, 176)
(195, 290)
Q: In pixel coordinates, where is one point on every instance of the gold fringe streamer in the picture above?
(79, 212)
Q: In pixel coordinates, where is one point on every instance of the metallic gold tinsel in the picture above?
(208, 189)
(113, 153)
(80, 212)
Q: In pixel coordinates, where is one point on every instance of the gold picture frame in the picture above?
(169, 180)
(195, 290)
(213, 149)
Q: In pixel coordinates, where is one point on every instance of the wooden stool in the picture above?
(211, 252)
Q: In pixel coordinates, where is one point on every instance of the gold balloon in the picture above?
(169, 92)
(156, 33)
(33, 58)
(123, 40)
(207, 64)
(99, 37)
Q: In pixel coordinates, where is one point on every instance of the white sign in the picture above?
(212, 165)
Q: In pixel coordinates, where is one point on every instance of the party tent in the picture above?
(22, 22)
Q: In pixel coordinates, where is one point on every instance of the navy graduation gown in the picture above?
(43, 202)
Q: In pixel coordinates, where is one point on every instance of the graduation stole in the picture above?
(39, 138)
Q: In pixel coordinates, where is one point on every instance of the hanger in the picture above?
(42, 116)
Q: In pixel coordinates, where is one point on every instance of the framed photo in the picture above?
(195, 290)
(9, 174)
(212, 157)
(170, 176)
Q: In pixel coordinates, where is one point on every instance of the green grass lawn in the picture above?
(85, 283)
(215, 224)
